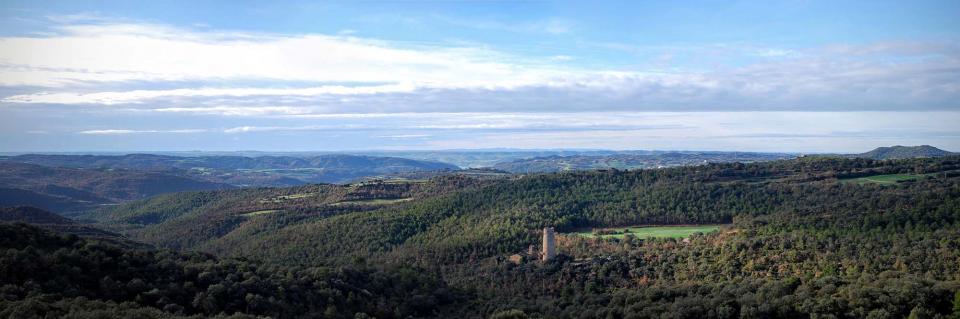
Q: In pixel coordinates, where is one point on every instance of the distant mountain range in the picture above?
(631, 161)
(66, 183)
(655, 159)
(903, 152)
(159, 162)
(485, 158)
(245, 171)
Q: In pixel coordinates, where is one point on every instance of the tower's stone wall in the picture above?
(549, 244)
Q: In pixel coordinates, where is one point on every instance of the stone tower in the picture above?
(549, 244)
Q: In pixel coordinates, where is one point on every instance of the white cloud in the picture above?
(129, 52)
(744, 131)
(138, 96)
(349, 74)
(404, 136)
(755, 131)
(234, 110)
(553, 26)
(249, 129)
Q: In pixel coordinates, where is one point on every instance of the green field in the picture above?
(654, 231)
(260, 212)
(280, 199)
(888, 179)
(372, 201)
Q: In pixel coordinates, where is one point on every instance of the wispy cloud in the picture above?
(331, 127)
(404, 136)
(554, 26)
(233, 110)
(141, 52)
(139, 96)
(751, 131)
(758, 131)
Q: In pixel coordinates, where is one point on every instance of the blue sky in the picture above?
(808, 76)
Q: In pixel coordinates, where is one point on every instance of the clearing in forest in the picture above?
(677, 231)
(260, 212)
(888, 179)
(376, 201)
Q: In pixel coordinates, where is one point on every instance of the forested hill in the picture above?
(903, 152)
(62, 225)
(68, 189)
(31, 215)
(638, 160)
(559, 163)
(824, 237)
(51, 276)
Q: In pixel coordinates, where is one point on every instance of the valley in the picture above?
(480, 159)
(804, 227)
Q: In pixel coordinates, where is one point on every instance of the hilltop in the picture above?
(903, 152)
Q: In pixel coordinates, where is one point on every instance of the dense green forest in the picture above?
(45, 275)
(799, 243)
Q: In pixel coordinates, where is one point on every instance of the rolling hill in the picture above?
(559, 163)
(76, 277)
(62, 225)
(795, 240)
(67, 189)
(245, 171)
(903, 152)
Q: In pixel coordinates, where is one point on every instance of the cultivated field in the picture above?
(888, 179)
(260, 212)
(680, 231)
(379, 201)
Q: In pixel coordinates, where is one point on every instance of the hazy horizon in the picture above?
(393, 151)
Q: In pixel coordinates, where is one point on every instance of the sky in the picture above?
(786, 76)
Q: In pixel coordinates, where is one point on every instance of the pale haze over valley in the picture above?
(792, 76)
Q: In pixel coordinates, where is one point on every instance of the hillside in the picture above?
(71, 189)
(485, 158)
(48, 275)
(190, 220)
(31, 215)
(21, 197)
(903, 152)
(558, 163)
(62, 225)
(796, 233)
(245, 171)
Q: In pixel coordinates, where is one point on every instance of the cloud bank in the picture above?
(106, 85)
(135, 64)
